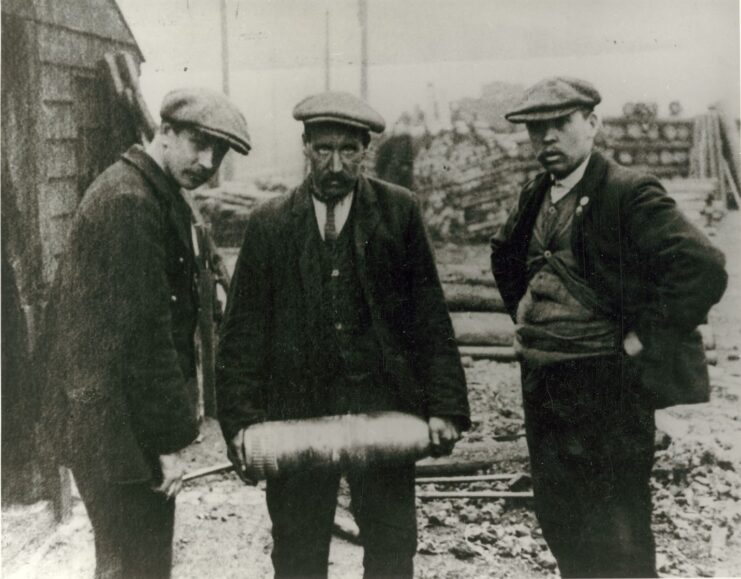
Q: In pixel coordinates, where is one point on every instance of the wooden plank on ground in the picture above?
(483, 328)
(496, 353)
(463, 297)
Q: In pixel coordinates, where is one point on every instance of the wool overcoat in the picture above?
(117, 352)
(264, 366)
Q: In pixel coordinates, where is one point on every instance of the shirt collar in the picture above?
(567, 183)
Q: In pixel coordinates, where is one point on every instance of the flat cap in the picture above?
(208, 111)
(338, 107)
(552, 98)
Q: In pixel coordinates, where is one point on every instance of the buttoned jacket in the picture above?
(264, 366)
(654, 272)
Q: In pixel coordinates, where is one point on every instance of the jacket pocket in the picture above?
(674, 369)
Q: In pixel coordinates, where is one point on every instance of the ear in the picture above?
(594, 122)
(306, 143)
(165, 130)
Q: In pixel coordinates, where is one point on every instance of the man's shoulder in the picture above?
(119, 183)
(389, 188)
(275, 208)
(625, 179)
(392, 194)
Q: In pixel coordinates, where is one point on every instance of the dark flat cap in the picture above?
(208, 111)
(553, 98)
(338, 107)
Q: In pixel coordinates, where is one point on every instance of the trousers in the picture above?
(302, 508)
(591, 444)
(133, 527)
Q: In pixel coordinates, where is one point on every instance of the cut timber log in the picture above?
(464, 479)
(471, 458)
(451, 466)
(483, 329)
(466, 273)
(497, 353)
(474, 297)
(435, 495)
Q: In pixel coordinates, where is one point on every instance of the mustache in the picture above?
(337, 179)
(199, 175)
(547, 153)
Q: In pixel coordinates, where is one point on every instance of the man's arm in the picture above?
(500, 268)
(243, 348)
(162, 413)
(687, 270)
(438, 361)
(124, 251)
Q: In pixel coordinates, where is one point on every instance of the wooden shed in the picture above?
(60, 128)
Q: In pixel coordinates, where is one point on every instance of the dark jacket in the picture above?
(264, 368)
(655, 272)
(117, 347)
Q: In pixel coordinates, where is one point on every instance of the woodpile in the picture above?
(469, 175)
(226, 209)
(644, 142)
(716, 155)
(468, 178)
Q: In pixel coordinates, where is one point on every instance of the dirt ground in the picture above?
(223, 530)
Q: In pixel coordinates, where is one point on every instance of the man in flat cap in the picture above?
(120, 391)
(606, 281)
(336, 308)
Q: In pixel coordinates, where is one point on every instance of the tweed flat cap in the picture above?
(338, 107)
(552, 98)
(208, 111)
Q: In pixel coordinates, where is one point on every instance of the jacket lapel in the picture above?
(523, 229)
(587, 192)
(181, 217)
(588, 186)
(366, 218)
(305, 230)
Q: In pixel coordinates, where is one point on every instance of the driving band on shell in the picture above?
(336, 336)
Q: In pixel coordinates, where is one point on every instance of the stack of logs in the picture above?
(649, 144)
(468, 180)
(482, 327)
(469, 176)
(226, 210)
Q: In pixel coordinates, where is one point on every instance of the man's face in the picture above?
(192, 157)
(336, 154)
(562, 144)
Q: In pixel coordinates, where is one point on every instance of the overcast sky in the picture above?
(658, 50)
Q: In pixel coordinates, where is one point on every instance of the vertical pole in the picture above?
(226, 166)
(326, 51)
(363, 17)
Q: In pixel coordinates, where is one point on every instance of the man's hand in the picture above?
(632, 345)
(173, 469)
(235, 453)
(443, 435)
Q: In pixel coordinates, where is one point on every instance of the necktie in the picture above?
(330, 231)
